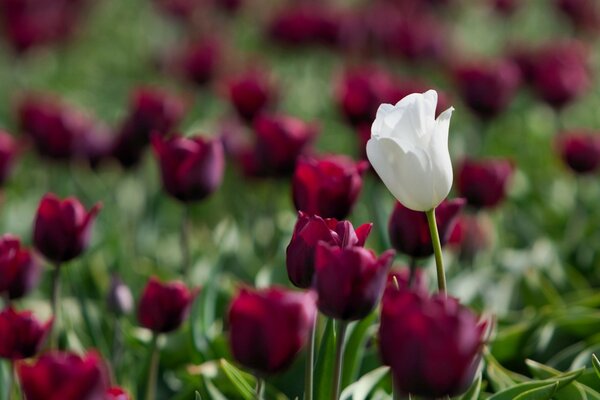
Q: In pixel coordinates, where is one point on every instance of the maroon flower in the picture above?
(164, 306)
(119, 299)
(199, 61)
(62, 227)
(580, 151)
(191, 168)
(308, 232)
(583, 14)
(349, 281)
(64, 376)
(152, 111)
(414, 36)
(250, 94)
(409, 230)
(505, 7)
(327, 186)
(117, 393)
(487, 88)
(8, 152)
(471, 235)
(560, 73)
(306, 24)
(19, 269)
(22, 336)
(484, 182)
(267, 328)
(432, 344)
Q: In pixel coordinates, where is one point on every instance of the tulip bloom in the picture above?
(200, 60)
(191, 168)
(409, 150)
(117, 393)
(483, 183)
(62, 227)
(19, 269)
(119, 299)
(21, 335)
(251, 94)
(432, 344)
(327, 186)
(64, 376)
(8, 153)
(409, 230)
(164, 306)
(267, 328)
(349, 281)
(306, 24)
(308, 232)
(471, 235)
(583, 14)
(580, 151)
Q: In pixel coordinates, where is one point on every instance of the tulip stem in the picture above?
(260, 388)
(185, 241)
(310, 362)
(55, 301)
(412, 272)
(437, 248)
(339, 359)
(11, 381)
(153, 372)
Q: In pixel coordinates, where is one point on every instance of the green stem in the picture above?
(11, 382)
(310, 362)
(412, 272)
(153, 373)
(185, 241)
(55, 301)
(437, 248)
(339, 359)
(116, 346)
(260, 388)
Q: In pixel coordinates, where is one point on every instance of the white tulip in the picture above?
(409, 150)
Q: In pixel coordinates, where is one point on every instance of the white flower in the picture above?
(409, 150)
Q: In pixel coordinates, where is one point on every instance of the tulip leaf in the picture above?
(361, 389)
(542, 393)
(576, 391)
(474, 390)
(355, 348)
(198, 397)
(236, 378)
(214, 393)
(4, 377)
(596, 364)
(203, 313)
(500, 378)
(323, 374)
(561, 380)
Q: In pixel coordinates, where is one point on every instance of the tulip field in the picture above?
(299, 199)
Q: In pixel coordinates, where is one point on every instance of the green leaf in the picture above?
(361, 389)
(541, 393)
(500, 378)
(325, 362)
(596, 364)
(355, 348)
(576, 391)
(473, 392)
(236, 377)
(214, 393)
(203, 314)
(512, 392)
(4, 377)
(198, 397)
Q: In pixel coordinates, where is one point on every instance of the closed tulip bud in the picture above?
(191, 168)
(151, 111)
(505, 7)
(487, 88)
(268, 328)
(21, 335)
(308, 232)
(200, 60)
(432, 344)
(580, 151)
(415, 37)
(483, 183)
(119, 299)
(409, 150)
(64, 376)
(306, 24)
(327, 186)
(164, 306)
(8, 153)
(349, 281)
(19, 269)
(62, 227)
(251, 94)
(471, 235)
(583, 14)
(117, 393)
(409, 230)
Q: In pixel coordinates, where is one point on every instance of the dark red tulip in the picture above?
(349, 281)
(21, 335)
(471, 235)
(119, 299)
(306, 24)
(483, 183)
(327, 186)
(487, 87)
(19, 269)
(409, 230)
(561, 73)
(414, 36)
(62, 227)
(432, 344)
(57, 130)
(267, 328)
(505, 7)
(583, 14)
(117, 393)
(200, 60)
(250, 94)
(64, 376)
(308, 232)
(280, 140)
(151, 111)
(164, 306)
(191, 168)
(580, 151)
(8, 153)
